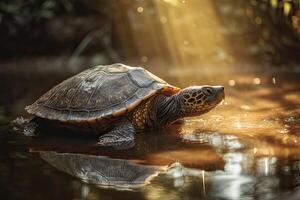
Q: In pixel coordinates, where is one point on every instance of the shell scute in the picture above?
(99, 93)
(140, 78)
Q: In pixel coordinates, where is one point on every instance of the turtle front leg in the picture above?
(120, 137)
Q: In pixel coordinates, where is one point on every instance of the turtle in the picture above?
(116, 101)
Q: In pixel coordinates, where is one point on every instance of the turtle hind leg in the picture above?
(26, 126)
(120, 137)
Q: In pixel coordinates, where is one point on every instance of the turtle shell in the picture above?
(100, 92)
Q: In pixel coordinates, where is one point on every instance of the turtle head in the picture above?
(197, 100)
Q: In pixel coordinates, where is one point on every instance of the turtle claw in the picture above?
(117, 143)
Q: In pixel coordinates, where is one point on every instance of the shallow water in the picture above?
(247, 148)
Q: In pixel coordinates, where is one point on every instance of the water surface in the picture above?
(247, 148)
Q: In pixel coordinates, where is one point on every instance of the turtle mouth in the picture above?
(216, 99)
(221, 97)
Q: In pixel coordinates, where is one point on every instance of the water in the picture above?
(247, 148)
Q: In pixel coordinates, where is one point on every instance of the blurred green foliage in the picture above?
(278, 24)
(271, 27)
(17, 16)
(49, 27)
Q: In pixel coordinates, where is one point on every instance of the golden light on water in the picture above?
(231, 82)
(237, 124)
(256, 81)
(144, 59)
(245, 107)
(140, 9)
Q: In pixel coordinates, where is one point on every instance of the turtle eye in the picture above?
(208, 91)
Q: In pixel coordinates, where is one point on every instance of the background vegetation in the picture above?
(75, 27)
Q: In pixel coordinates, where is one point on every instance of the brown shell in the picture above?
(99, 92)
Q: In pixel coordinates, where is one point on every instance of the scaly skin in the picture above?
(162, 110)
(140, 116)
(155, 112)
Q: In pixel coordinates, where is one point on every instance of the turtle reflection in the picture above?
(131, 168)
(102, 171)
